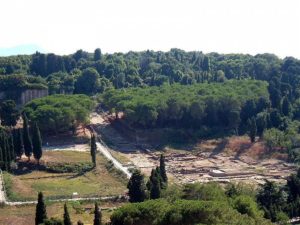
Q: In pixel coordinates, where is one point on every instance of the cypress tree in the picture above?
(162, 170)
(136, 187)
(67, 220)
(11, 148)
(7, 155)
(98, 215)
(286, 107)
(261, 123)
(161, 182)
(37, 143)
(18, 146)
(93, 148)
(252, 129)
(1, 156)
(2, 153)
(26, 138)
(41, 213)
(155, 187)
(2, 149)
(97, 54)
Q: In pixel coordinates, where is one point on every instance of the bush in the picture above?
(246, 205)
(208, 192)
(80, 167)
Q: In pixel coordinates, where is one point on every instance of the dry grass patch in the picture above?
(24, 215)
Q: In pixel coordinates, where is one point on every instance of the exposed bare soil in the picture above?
(236, 159)
(221, 160)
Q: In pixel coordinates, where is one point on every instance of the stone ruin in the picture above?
(25, 96)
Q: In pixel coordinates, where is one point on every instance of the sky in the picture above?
(224, 26)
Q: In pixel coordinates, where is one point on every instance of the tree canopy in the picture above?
(59, 113)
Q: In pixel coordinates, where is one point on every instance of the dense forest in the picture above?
(90, 74)
(149, 68)
(208, 93)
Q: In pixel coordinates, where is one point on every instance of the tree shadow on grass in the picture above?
(243, 148)
(220, 148)
(47, 177)
(26, 168)
(82, 173)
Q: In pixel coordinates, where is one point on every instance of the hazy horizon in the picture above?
(31, 49)
(231, 26)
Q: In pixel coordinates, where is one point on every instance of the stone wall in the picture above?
(29, 95)
(24, 96)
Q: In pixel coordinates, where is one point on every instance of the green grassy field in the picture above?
(96, 182)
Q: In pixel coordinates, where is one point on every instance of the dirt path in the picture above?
(62, 200)
(105, 151)
(2, 191)
(74, 147)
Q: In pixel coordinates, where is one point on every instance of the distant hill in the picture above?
(20, 50)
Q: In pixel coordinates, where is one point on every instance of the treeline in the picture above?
(14, 142)
(7, 152)
(149, 68)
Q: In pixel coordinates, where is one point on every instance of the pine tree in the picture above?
(67, 220)
(37, 143)
(252, 129)
(162, 170)
(98, 215)
(136, 187)
(93, 149)
(154, 183)
(26, 138)
(41, 213)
